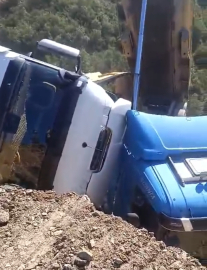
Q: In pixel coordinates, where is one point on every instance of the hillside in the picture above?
(92, 26)
(89, 25)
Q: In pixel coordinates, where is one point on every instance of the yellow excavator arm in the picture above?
(165, 66)
(121, 81)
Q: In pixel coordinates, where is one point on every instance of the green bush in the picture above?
(90, 25)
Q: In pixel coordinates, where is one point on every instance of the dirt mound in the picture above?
(46, 231)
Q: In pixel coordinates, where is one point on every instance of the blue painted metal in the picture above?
(148, 141)
(41, 119)
(139, 55)
(182, 201)
(154, 137)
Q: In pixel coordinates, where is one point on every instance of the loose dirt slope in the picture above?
(45, 231)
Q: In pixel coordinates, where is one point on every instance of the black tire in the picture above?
(133, 219)
(160, 233)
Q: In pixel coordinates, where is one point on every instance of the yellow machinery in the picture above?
(121, 82)
(165, 68)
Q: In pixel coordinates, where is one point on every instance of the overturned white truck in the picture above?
(71, 125)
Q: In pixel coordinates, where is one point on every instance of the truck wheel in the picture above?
(160, 233)
(133, 219)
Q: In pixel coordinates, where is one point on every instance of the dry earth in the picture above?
(46, 231)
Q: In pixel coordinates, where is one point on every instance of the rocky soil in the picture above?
(45, 231)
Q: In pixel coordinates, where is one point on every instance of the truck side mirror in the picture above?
(49, 46)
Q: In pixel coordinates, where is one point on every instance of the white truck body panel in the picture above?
(73, 172)
(99, 182)
(5, 57)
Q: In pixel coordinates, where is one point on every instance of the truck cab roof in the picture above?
(155, 137)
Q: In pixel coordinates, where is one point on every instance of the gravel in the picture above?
(42, 230)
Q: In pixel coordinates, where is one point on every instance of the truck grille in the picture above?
(101, 149)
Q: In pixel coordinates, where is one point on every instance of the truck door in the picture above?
(41, 106)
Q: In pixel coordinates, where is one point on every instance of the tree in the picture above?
(89, 25)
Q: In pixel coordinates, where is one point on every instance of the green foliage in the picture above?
(92, 26)
(198, 91)
(89, 25)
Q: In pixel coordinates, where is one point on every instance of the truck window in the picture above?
(41, 106)
(42, 102)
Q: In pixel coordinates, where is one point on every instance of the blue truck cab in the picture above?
(163, 177)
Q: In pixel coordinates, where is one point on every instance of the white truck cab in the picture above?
(85, 125)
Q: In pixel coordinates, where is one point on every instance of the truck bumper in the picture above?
(183, 224)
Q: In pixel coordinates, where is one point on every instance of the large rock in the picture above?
(4, 217)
